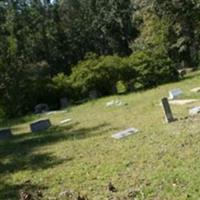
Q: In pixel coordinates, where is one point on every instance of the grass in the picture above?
(161, 162)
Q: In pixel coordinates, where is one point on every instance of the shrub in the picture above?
(103, 74)
(152, 69)
(99, 74)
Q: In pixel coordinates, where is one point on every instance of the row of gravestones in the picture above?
(64, 102)
(42, 107)
(40, 125)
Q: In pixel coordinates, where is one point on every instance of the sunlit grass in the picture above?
(160, 162)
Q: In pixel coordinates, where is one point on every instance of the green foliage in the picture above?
(152, 68)
(42, 41)
(104, 73)
(61, 86)
(99, 74)
(183, 18)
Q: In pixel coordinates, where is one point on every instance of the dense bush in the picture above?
(103, 73)
(152, 69)
(100, 74)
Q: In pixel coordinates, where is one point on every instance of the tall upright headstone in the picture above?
(167, 110)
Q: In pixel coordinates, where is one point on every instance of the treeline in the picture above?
(68, 48)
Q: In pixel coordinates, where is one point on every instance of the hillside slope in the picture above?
(160, 162)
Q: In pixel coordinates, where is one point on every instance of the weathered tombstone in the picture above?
(124, 133)
(182, 73)
(5, 133)
(194, 111)
(65, 121)
(64, 102)
(110, 103)
(40, 125)
(196, 90)
(167, 110)
(173, 94)
(93, 94)
(114, 89)
(41, 108)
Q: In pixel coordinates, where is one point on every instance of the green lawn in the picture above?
(160, 162)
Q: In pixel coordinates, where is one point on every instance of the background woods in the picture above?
(67, 48)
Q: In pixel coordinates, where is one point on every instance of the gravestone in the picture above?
(93, 94)
(64, 102)
(125, 133)
(5, 133)
(40, 125)
(41, 108)
(65, 121)
(194, 111)
(173, 94)
(196, 90)
(167, 110)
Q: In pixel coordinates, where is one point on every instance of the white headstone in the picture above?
(194, 111)
(196, 90)
(173, 94)
(124, 133)
(110, 103)
(65, 121)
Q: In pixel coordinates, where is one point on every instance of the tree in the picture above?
(184, 16)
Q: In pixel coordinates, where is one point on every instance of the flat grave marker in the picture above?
(173, 94)
(196, 90)
(195, 110)
(125, 133)
(40, 125)
(183, 101)
(5, 133)
(65, 121)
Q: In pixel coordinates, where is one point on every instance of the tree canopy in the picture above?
(42, 39)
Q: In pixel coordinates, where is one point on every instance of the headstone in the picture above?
(56, 112)
(182, 72)
(183, 101)
(194, 111)
(40, 125)
(65, 121)
(41, 108)
(93, 94)
(64, 103)
(173, 94)
(115, 103)
(5, 133)
(124, 133)
(110, 103)
(196, 90)
(167, 110)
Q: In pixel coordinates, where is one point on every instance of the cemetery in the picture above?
(136, 141)
(99, 100)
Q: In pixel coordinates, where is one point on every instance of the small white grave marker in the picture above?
(124, 133)
(115, 103)
(65, 121)
(175, 93)
(194, 111)
(196, 90)
(110, 103)
(183, 101)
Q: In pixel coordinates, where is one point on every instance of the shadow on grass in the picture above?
(17, 154)
(19, 150)
(13, 192)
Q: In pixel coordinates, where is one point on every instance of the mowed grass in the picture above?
(160, 162)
